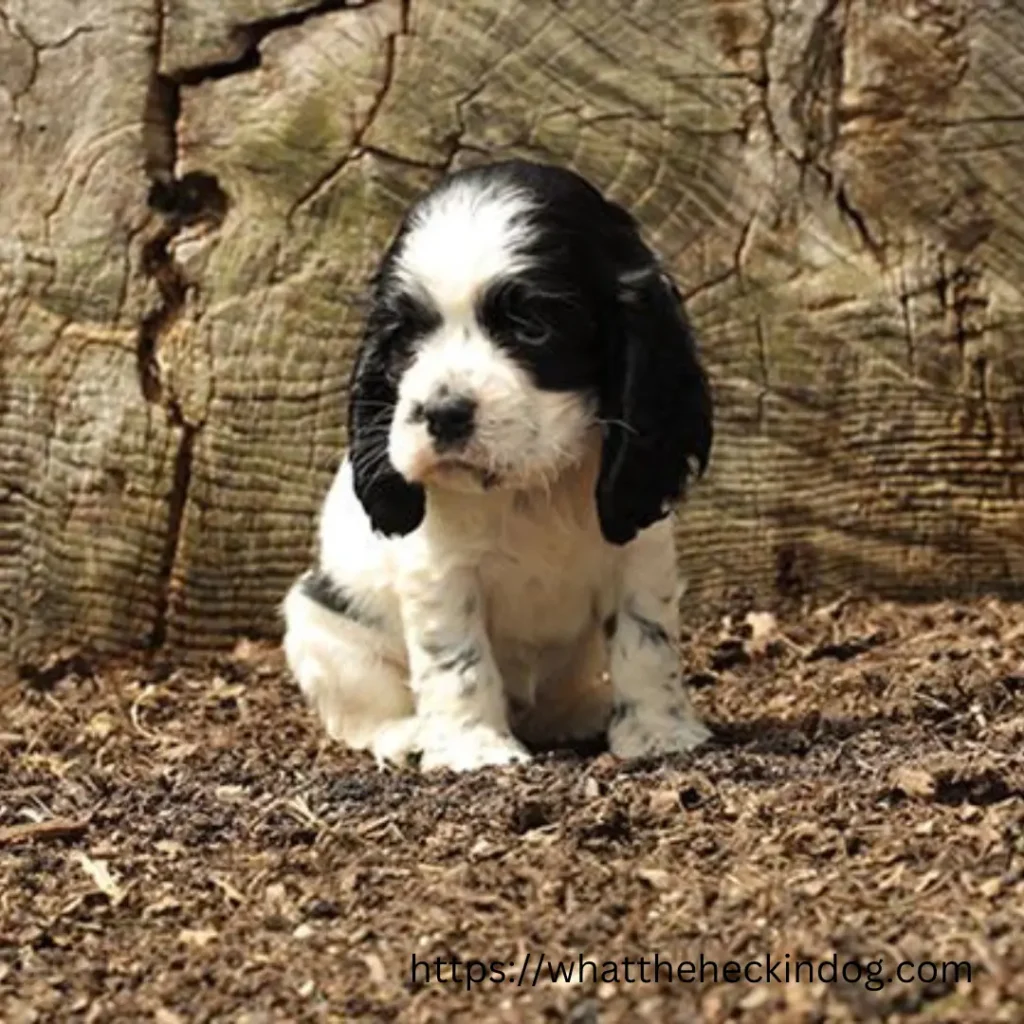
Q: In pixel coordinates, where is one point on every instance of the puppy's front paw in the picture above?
(646, 732)
(465, 749)
(396, 742)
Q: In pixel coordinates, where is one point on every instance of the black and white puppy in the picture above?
(496, 560)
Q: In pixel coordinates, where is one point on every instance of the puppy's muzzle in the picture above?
(450, 420)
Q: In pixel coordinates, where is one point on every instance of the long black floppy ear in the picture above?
(394, 505)
(654, 399)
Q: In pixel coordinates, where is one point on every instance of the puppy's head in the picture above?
(517, 314)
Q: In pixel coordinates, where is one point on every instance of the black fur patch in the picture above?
(621, 710)
(395, 323)
(330, 594)
(650, 631)
(459, 659)
(462, 659)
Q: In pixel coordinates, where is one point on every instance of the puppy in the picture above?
(497, 561)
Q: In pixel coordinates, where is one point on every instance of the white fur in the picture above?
(462, 238)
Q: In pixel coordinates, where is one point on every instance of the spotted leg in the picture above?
(458, 690)
(652, 712)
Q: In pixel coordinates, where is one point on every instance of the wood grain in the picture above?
(192, 197)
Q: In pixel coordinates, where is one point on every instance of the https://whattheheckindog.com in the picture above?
(536, 968)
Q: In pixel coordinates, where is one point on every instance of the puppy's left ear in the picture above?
(654, 401)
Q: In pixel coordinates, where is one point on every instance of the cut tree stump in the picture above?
(193, 195)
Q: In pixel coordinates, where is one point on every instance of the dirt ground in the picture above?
(181, 845)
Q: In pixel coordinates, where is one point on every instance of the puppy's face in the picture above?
(494, 346)
(516, 316)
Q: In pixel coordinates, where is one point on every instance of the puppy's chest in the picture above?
(546, 583)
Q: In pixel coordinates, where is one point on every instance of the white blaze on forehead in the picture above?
(463, 238)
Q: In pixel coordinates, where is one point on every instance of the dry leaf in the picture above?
(915, 782)
(169, 847)
(199, 937)
(815, 888)
(227, 888)
(164, 1016)
(101, 725)
(762, 628)
(656, 878)
(101, 877)
(378, 973)
(755, 998)
(245, 651)
(991, 887)
(275, 894)
(161, 906)
(664, 801)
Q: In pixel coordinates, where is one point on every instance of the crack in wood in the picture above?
(859, 222)
(181, 481)
(813, 107)
(194, 199)
(357, 148)
(248, 37)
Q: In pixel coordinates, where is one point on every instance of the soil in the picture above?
(182, 845)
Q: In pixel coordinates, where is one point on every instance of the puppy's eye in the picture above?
(514, 313)
(396, 322)
(404, 317)
(416, 317)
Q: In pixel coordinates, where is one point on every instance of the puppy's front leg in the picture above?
(652, 713)
(460, 698)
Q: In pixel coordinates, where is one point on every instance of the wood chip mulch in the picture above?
(180, 845)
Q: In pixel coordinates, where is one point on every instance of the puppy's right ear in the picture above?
(395, 506)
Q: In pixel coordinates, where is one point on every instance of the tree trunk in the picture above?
(192, 196)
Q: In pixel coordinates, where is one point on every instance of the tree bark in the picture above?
(193, 195)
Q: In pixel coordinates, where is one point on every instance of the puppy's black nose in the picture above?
(450, 419)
